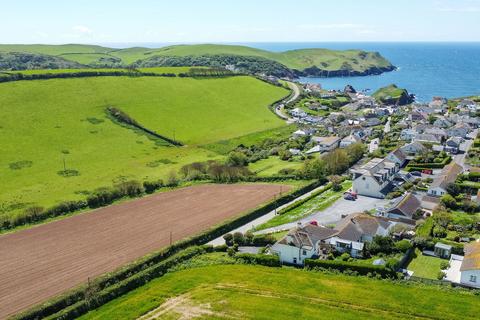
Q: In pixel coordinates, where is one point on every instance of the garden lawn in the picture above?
(46, 123)
(318, 203)
(425, 266)
(256, 292)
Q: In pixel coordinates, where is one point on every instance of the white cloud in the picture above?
(82, 29)
(331, 26)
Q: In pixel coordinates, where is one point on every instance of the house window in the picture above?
(304, 252)
(363, 178)
(473, 278)
(295, 260)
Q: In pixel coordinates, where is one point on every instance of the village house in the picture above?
(405, 208)
(427, 138)
(311, 241)
(470, 268)
(373, 145)
(407, 134)
(414, 149)
(349, 140)
(459, 130)
(374, 178)
(397, 156)
(452, 145)
(442, 123)
(326, 144)
(448, 175)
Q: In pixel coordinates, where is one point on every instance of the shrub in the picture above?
(439, 232)
(345, 256)
(130, 188)
(440, 275)
(238, 238)
(444, 265)
(228, 239)
(152, 186)
(403, 245)
(343, 266)
(448, 201)
(260, 259)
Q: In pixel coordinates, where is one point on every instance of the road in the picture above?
(334, 213)
(295, 94)
(262, 219)
(464, 147)
(387, 127)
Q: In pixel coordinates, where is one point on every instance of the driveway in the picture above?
(334, 213)
(464, 147)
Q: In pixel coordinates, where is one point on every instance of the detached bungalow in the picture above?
(449, 175)
(405, 208)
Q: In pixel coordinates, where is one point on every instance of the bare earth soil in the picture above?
(44, 261)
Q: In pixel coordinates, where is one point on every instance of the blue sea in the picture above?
(424, 69)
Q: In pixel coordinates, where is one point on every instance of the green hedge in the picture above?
(260, 259)
(72, 304)
(430, 165)
(342, 266)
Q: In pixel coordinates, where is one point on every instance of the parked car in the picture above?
(416, 173)
(353, 194)
(348, 196)
(427, 171)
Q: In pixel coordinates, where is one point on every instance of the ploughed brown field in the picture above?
(41, 262)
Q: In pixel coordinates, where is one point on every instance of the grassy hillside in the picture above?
(306, 61)
(44, 122)
(392, 95)
(255, 292)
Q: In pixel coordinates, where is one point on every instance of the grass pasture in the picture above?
(255, 292)
(46, 122)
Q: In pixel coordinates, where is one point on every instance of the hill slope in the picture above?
(255, 292)
(303, 62)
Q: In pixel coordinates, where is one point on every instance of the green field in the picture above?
(45, 122)
(318, 203)
(255, 292)
(271, 166)
(425, 266)
(330, 60)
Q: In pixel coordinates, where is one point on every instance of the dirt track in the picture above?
(41, 262)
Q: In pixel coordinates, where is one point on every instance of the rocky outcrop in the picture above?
(316, 72)
(392, 95)
(349, 89)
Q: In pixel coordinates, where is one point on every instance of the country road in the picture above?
(295, 94)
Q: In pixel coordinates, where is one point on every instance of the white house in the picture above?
(407, 134)
(373, 178)
(448, 175)
(470, 268)
(326, 143)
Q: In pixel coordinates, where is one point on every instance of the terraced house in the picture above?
(374, 178)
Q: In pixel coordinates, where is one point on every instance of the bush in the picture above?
(345, 256)
(439, 232)
(403, 245)
(152, 186)
(238, 238)
(260, 259)
(448, 201)
(444, 265)
(440, 275)
(228, 239)
(343, 266)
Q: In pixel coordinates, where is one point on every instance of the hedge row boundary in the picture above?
(355, 267)
(429, 165)
(71, 303)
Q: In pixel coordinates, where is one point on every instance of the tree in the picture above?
(336, 182)
(228, 239)
(313, 169)
(449, 201)
(442, 218)
(381, 244)
(403, 245)
(336, 161)
(237, 159)
(453, 189)
(355, 152)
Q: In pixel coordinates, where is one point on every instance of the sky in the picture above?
(199, 21)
